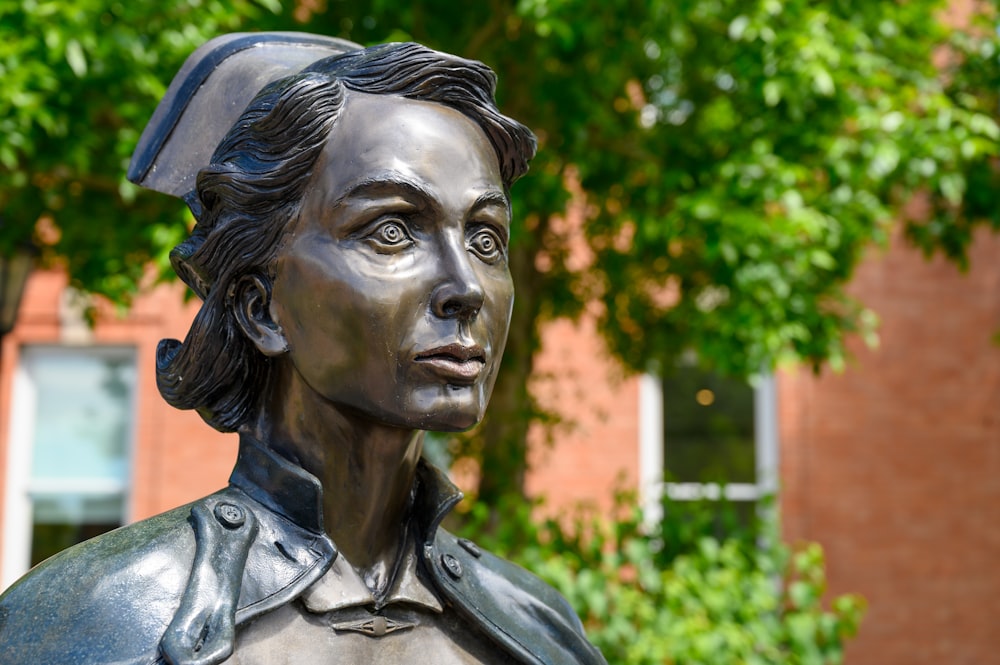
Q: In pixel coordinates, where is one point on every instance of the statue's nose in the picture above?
(460, 292)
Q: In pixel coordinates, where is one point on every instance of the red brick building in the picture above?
(893, 465)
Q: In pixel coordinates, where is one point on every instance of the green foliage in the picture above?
(739, 157)
(80, 80)
(693, 600)
(736, 157)
(733, 159)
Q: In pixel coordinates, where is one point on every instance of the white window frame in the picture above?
(15, 547)
(652, 488)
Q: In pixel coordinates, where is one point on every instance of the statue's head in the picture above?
(353, 223)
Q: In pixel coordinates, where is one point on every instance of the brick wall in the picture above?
(594, 448)
(894, 465)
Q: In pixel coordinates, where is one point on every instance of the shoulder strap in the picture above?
(203, 631)
(248, 560)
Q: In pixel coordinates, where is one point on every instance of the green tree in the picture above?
(80, 78)
(734, 158)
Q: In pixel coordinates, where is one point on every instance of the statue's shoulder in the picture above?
(108, 599)
(176, 584)
(515, 607)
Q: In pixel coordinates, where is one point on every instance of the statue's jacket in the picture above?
(175, 588)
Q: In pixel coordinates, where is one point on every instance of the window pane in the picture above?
(82, 426)
(77, 508)
(61, 521)
(708, 430)
(83, 414)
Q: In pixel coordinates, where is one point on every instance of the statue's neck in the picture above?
(367, 470)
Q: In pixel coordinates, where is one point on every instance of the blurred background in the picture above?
(746, 413)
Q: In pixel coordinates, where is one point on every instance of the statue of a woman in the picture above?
(351, 250)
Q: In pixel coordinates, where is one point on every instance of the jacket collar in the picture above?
(297, 495)
(282, 486)
(434, 497)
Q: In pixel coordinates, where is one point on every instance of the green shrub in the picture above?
(679, 594)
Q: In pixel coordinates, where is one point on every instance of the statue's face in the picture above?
(392, 288)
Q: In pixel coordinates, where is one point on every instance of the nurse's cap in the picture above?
(208, 95)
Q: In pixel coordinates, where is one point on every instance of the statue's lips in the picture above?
(454, 361)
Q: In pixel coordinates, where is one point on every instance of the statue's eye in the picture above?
(486, 243)
(392, 233)
(389, 235)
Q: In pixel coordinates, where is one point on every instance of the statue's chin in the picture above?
(454, 427)
(454, 421)
(441, 408)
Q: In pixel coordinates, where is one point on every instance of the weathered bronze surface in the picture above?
(351, 250)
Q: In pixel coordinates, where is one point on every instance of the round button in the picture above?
(230, 515)
(470, 547)
(451, 565)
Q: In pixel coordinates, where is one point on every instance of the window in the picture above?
(704, 436)
(707, 428)
(70, 444)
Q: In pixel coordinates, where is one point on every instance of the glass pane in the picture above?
(80, 446)
(83, 417)
(77, 508)
(708, 430)
(61, 521)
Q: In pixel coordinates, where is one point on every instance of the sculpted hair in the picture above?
(251, 192)
(417, 72)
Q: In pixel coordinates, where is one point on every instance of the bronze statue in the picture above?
(352, 223)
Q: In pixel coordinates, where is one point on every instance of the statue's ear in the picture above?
(250, 299)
